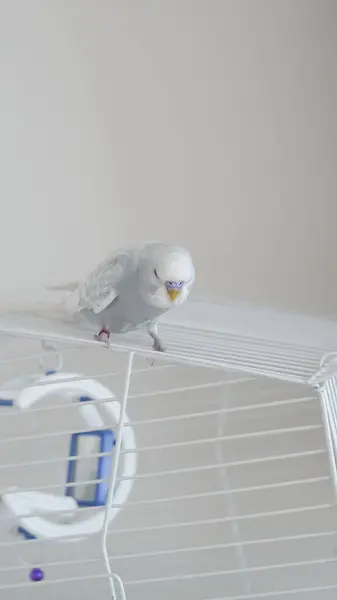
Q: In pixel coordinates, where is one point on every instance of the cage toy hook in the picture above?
(50, 351)
(327, 369)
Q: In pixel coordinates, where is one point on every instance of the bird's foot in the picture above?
(158, 346)
(103, 336)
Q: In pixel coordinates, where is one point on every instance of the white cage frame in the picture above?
(284, 347)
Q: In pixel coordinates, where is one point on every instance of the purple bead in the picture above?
(36, 574)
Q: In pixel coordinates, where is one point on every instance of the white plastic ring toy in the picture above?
(22, 503)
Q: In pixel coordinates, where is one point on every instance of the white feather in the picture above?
(98, 290)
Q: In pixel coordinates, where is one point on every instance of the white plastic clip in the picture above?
(328, 368)
(49, 351)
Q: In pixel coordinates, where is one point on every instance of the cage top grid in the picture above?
(261, 342)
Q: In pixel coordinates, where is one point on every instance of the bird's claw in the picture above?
(158, 346)
(103, 336)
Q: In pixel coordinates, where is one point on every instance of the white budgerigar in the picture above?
(132, 288)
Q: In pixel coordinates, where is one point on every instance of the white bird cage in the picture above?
(232, 491)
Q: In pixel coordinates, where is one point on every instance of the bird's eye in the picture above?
(156, 274)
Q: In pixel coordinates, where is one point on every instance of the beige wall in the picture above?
(211, 122)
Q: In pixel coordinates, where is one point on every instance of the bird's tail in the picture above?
(60, 305)
(66, 287)
(47, 310)
(70, 300)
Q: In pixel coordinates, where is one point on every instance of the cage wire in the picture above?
(233, 492)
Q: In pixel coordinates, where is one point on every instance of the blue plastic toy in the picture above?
(36, 574)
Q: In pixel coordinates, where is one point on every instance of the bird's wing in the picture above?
(99, 289)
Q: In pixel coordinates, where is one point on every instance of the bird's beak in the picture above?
(173, 294)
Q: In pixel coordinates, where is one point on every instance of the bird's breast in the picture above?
(127, 312)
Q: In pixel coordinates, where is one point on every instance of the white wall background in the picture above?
(210, 122)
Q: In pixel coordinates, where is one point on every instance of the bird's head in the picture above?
(174, 271)
(171, 273)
